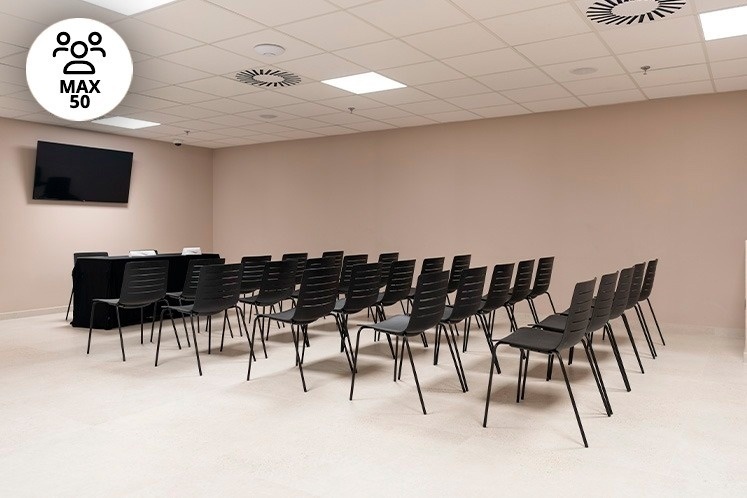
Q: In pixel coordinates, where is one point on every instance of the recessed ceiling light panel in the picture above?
(129, 7)
(122, 122)
(724, 23)
(364, 83)
(620, 12)
(268, 78)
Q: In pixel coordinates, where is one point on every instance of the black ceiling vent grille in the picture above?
(268, 78)
(622, 12)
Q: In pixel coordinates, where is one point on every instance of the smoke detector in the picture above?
(268, 78)
(269, 49)
(619, 12)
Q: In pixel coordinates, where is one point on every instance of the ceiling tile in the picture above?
(605, 66)
(343, 117)
(681, 55)
(709, 5)
(307, 109)
(501, 110)
(19, 32)
(679, 89)
(236, 131)
(400, 96)
(429, 107)
(334, 130)
(145, 102)
(482, 9)
(313, 91)
(610, 98)
(178, 94)
(419, 74)
(698, 72)
(540, 24)
(267, 99)
(495, 61)
(269, 128)
(413, 16)
(212, 59)
(448, 117)
(257, 114)
(371, 126)
(456, 40)
(727, 48)
(230, 120)
(218, 23)
(273, 13)
(197, 125)
(731, 84)
(244, 45)
(322, 67)
(727, 69)
(148, 39)
(220, 86)
(9, 88)
(382, 113)
(334, 31)
(382, 55)
(27, 106)
(599, 85)
(646, 36)
(48, 13)
(515, 79)
(357, 101)
(6, 49)
(168, 72)
(139, 84)
(481, 100)
(299, 134)
(455, 88)
(154, 116)
(192, 111)
(543, 92)
(571, 48)
(560, 104)
(14, 75)
(304, 123)
(226, 105)
(410, 121)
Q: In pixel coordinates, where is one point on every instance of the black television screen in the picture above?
(75, 173)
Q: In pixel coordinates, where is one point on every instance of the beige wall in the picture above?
(170, 207)
(598, 188)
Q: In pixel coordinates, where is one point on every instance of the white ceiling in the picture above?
(461, 60)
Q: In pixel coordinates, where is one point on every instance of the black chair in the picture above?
(541, 285)
(635, 292)
(348, 263)
(316, 299)
(218, 290)
(300, 258)
(336, 255)
(498, 295)
(602, 306)
(619, 303)
(521, 289)
(467, 303)
(646, 288)
(399, 283)
(75, 260)
(362, 293)
(252, 271)
(277, 285)
(430, 265)
(528, 339)
(458, 264)
(428, 307)
(385, 260)
(143, 284)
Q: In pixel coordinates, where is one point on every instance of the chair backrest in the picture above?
(317, 295)
(398, 286)
(386, 259)
(458, 264)
(620, 302)
(143, 252)
(337, 255)
(278, 280)
(432, 265)
(648, 280)
(144, 282)
(193, 275)
(363, 290)
(636, 284)
(468, 300)
(77, 255)
(252, 270)
(522, 284)
(600, 315)
(300, 258)
(324, 262)
(218, 289)
(543, 275)
(348, 263)
(429, 301)
(578, 314)
(499, 291)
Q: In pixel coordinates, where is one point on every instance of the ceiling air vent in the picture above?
(268, 78)
(619, 12)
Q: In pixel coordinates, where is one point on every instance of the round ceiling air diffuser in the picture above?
(619, 12)
(268, 78)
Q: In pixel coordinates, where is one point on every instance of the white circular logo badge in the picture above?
(79, 69)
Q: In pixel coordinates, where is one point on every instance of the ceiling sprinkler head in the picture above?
(351, 109)
(645, 69)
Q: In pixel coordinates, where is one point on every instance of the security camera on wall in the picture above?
(178, 142)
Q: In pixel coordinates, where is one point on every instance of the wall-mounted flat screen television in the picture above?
(75, 173)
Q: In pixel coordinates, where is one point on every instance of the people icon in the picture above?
(79, 50)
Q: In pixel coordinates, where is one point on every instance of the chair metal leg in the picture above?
(239, 320)
(153, 321)
(533, 310)
(121, 340)
(632, 341)
(414, 373)
(186, 331)
(646, 331)
(524, 382)
(518, 384)
(209, 330)
(618, 358)
(656, 322)
(355, 362)
(573, 401)
(257, 320)
(458, 357)
(453, 358)
(90, 326)
(401, 360)
(552, 305)
(158, 342)
(490, 383)
(570, 356)
(69, 304)
(487, 328)
(296, 334)
(597, 379)
(142, 312)
(223, 332)
(194, 341)
(550, 360)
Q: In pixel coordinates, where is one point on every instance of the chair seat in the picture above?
(110, 302)
(184, 310)
(447, 313)
(282, 316)
(533, 339)
(554, 323)
(340, 304)
(174, 295)
(394, 325)
(260, 300)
